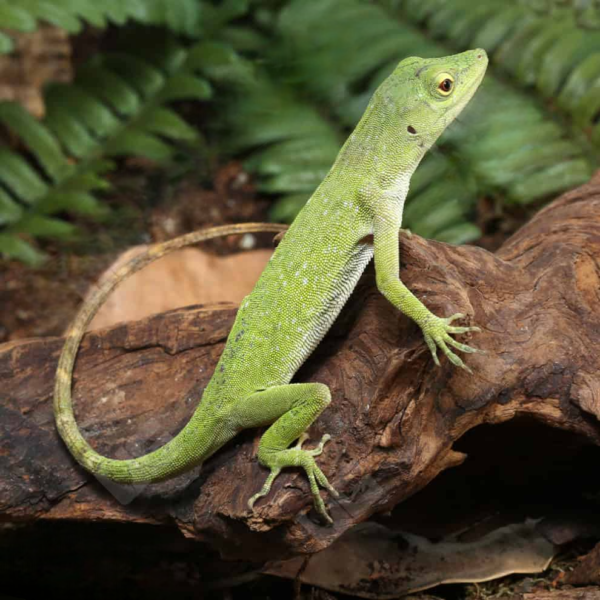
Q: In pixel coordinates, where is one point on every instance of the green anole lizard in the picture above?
(303, 288)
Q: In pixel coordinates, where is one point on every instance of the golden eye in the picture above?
(445, 84)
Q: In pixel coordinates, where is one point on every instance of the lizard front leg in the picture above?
(291, 409)
(436, 330)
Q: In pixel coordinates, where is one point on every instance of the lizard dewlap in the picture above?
(303, 288)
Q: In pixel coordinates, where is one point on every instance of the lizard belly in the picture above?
(335, 301)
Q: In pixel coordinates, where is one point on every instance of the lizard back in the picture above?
(296, 299)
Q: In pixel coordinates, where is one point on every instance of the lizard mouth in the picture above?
(470, 90)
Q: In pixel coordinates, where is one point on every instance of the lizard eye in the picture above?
(445, 84)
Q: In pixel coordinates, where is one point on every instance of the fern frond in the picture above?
(294, 146)
(353, 45)
(291, 143)
(184, 17)
(551, 50)
(337, 52)
(116, 106)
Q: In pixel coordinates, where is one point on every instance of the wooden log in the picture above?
(587, 570)
(394, 417)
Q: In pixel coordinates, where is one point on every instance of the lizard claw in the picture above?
(316, 478)
(266, 488)
(437, 332)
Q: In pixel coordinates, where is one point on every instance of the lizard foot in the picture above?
(437, 332)
(296, 457)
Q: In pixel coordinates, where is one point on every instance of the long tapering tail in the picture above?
(193, 443)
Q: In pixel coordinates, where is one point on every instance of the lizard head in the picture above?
(416, 103)
(440, 89)
(405, 116)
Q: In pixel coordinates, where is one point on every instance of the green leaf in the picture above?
(499, 26)
(511, 51)
(433, 198)
(462, 233)
(243, 39)
(12, 246)
(287, 207)
(446, 14)
(76, 202)
(6, 43)
(156, 48)
(183, 16)
(88, 179)
(167, 123)
(110, 88)
(10, 211)
(551, 181)
(502, 170)
(421, 9)
(579, 82)
(20, 178)
(294, 154)
(491, 147)
(433, 168)
(52, 13)
(113, 109)
(92, 12)
(216, 16)
(70, 132)
(447, 214)
(41, 226)
(36, 137)
(466, 27)
(534, 51)
(328, 57)
(185, 87)
(568, 51)
(588, 108)
(142, 76)
(138, 143)
(13, 17)
(220, 63)
(299, 181)
(117, 10)
(99, 120)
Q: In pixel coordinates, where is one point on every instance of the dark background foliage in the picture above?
(281, 84)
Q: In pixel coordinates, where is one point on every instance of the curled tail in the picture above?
(195, 440)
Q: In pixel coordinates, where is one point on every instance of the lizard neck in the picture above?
(375, 163)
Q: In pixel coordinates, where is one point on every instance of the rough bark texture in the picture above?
(587, 571)
(394, 418)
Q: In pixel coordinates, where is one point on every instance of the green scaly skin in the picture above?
(303, 288)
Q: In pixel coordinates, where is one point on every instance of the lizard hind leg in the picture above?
(291, 409)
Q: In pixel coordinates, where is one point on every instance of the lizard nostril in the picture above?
(411, 129)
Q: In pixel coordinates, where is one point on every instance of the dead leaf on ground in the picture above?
(183, 278)
(372, 561)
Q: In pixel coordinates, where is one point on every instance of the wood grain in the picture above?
(394, 419)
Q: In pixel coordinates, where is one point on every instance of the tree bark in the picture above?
(394, 418)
